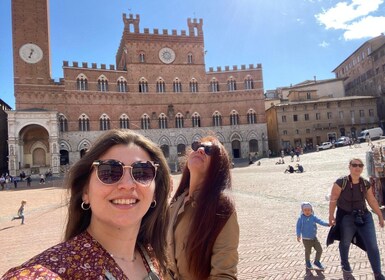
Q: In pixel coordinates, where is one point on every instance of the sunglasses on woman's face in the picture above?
(360, 165)
(207, 147)
(111, 171)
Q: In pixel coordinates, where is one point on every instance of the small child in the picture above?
(307, 228)
(20, 212)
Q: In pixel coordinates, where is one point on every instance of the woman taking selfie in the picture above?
(117, 215)
(203, 233)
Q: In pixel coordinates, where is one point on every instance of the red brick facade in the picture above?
(159, 74)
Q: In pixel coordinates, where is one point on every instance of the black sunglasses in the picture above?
(357, 165)
(208, 148)
(111, 171)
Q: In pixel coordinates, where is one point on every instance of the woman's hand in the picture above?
(381, 221)
(332, 221)
(298, 238)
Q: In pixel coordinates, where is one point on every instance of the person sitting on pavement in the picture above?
(299, 168)
(289, 169)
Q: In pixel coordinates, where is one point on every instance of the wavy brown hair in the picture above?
(154, 223)
(212, 211)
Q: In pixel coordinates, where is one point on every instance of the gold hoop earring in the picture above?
(153, 204)
(85, 206)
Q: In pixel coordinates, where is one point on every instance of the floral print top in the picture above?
(81, 257)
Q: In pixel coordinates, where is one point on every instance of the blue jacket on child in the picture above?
(307, 225)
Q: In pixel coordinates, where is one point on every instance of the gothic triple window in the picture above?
(84, 123)
(234, 118)
(231, 84)
(193, 85)
(214, 85)
(177, 85)
(217, 119)
(142, 58)
(104, 122)
(249, 83)
(143, 85)
(102, 83)
(81, 83)
(160, 85)
(145, 122)
(63, 125)
(162, 121)
(122, 85)
(196, 120)
(124, 122)
(179, 121)
(190, 58)
(251, 117)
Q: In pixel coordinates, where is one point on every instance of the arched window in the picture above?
(102, 83)
(231, 84)
(84, 123)
(234, 118)
(251, 116)
(160, 85)
(124, 122)
(122, 85)
(81, 82)
(166, 150)
(214, 85)
(189, 58)
(142, 57)
(217, 119)
(104, 122)
(179, 121)
(162, 121)
(249, 83)
(63, 125)
(143, 85)
(177, 85)
(193, 85)
(196, 120)
(145, 122)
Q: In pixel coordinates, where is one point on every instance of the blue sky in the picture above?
(294, 40)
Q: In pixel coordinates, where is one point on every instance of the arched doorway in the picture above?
(64, 157)
(34, 147)
(165, 150)
(236, 148)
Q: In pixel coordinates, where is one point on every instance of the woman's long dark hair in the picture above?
(154, 223)
(213, 209)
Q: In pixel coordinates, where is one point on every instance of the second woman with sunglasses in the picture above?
(117, 216)
(203, 234)
(353, 221)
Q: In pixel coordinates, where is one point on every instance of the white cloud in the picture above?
(354, 18)
(366, 27)
(324, 44)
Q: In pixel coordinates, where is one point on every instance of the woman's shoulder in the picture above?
(77, 255)
(30, 272)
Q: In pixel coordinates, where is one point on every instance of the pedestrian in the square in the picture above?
(42, 179)
(353, 222)
(20, 212)
(307, 229)
(29, 180)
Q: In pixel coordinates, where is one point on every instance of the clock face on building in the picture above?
(31, 53)
(167, 55)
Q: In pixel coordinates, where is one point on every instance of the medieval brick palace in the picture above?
(159, 87)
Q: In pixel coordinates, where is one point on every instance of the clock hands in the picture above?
(31, 53)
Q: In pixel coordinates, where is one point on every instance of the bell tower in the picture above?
(31, 52)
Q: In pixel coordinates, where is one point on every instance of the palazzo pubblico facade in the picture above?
(158, 87)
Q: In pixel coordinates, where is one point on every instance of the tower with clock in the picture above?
(31, 53)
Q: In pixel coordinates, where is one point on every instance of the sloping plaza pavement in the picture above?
(268, 205)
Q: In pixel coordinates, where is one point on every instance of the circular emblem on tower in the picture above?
(167, 55)
(31, 53)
